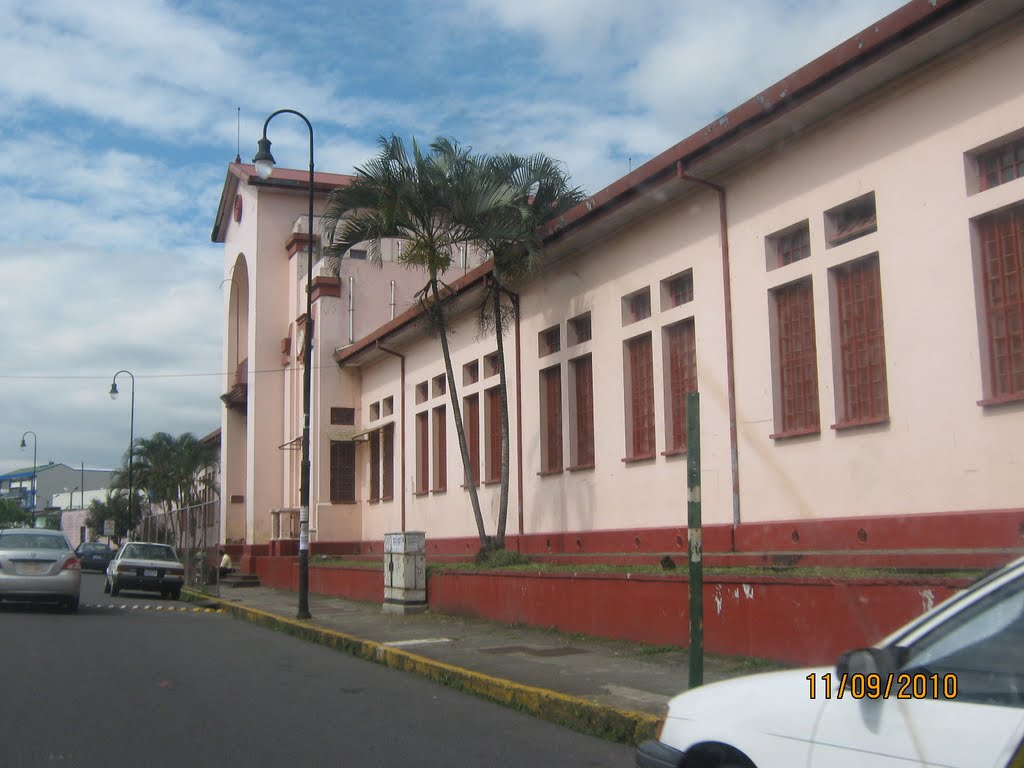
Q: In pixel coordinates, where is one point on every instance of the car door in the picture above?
(956, 700)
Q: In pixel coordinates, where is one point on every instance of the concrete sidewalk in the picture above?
(607, 688)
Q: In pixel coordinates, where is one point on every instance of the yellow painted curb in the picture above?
(580, 714)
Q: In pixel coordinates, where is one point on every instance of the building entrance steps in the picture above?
(609, 688)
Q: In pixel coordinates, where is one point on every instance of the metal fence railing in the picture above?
(194, 532)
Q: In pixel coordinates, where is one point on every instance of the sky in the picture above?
(118, 120)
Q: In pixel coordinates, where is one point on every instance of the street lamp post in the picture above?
(35, 440)
(131, 441)
(264, 162)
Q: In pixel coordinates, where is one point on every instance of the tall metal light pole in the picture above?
(35, 441)
(131, 443)
(264, 162)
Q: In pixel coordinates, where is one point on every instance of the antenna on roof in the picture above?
(238, 152)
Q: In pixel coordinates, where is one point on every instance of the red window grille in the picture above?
(343, 472)
(422, 452)
(1001, 165)
(583, 370)
(343, 416)
(641, 380)
(681, 340)
(861, 343)
(550, 341)
(388, 462)
(471, 406)
(581, 328)
(551, 427)
(374, 440)
(680, 289)
(1002, 240)
(493, 415)
(640, 306)
(440, 449)
(794, 246)
(797, 358)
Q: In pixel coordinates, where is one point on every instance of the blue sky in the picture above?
(117, 120)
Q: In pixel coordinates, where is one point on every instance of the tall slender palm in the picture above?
(434, 201)
(543, 192)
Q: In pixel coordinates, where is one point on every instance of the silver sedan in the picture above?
(39, 565)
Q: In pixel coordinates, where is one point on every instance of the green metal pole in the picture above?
(694, 531)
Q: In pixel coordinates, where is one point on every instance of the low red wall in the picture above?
(802, 621)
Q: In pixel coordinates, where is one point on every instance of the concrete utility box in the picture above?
(405, 572)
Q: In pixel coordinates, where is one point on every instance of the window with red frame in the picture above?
(388, 462)
(641, 397)
(583, 390)
(551, 419)
(863, 395)
(343, 472)
(422, 452)
(1002, 258)
(374, 440)
(681, 368)
(471, 418)
(797, 360)
(492, 412)
(794, 246)
(440, 449)
(1001, 165)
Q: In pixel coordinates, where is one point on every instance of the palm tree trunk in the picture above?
(499, 537)
(457, 413)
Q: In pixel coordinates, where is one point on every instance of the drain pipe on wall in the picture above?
(401, 417)
(519, 424)
(351, 309)
(392, 299)
(729, 363)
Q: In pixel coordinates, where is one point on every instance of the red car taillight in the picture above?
(126, 569)
(71, 564)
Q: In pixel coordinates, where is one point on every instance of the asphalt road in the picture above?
(144, 685)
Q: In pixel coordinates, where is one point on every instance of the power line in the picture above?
(85, 377)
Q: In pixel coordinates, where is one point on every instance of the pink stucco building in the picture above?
(836, 265)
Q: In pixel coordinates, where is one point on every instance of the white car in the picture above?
(146, 567)
(945, 690)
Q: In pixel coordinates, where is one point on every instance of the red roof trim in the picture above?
(880, 38)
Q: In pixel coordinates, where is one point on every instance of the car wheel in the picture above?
(106, 586)
(176, 594)
(114, 589)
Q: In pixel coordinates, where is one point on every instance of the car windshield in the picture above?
(95, 547)
(32, 541)
(148, 552)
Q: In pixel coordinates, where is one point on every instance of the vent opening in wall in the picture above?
(851, 220)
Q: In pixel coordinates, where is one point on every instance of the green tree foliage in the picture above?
(542, 192)
(13, 515)
(434, 201)
(114, 507)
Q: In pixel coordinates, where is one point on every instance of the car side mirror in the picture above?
(870, 661)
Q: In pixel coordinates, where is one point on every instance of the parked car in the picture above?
(38, 565)
(145, 566)
(947, 689)
(94, 555)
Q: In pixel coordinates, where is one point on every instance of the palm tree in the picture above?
(433, 201)
(542, 193)
(168, 468)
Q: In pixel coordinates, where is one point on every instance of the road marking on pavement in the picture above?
(169, 608)
(423, 641)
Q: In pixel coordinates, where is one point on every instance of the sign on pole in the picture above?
(108, 527)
